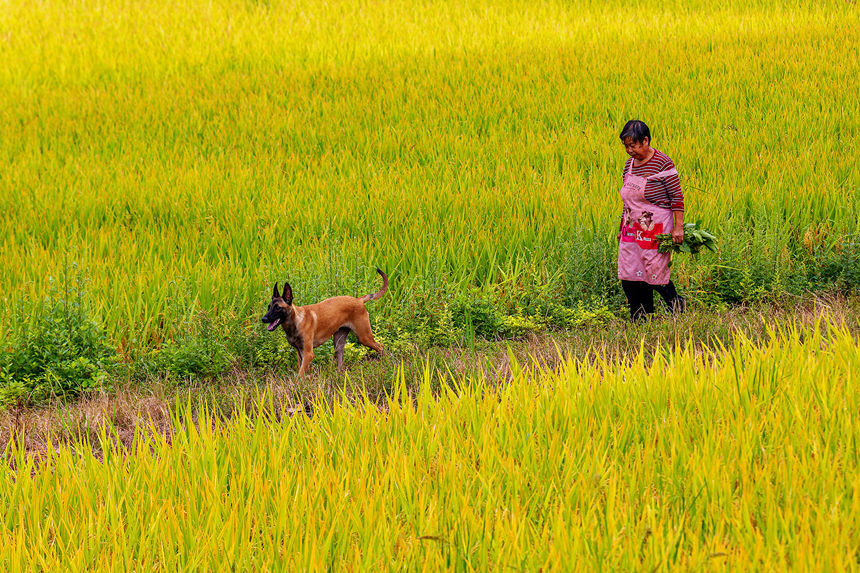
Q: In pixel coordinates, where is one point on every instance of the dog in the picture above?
(309, 326)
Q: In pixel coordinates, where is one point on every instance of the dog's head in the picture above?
(280, 309)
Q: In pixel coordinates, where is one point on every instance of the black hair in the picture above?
(637, 130)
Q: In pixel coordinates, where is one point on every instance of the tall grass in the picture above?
(741, 457)
(199, 151)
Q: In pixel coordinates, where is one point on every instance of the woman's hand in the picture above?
(678, 227)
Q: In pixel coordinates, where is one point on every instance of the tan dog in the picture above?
(309, 326)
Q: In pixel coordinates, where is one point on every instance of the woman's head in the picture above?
(636, 138)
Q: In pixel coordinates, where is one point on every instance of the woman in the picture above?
(653, 204)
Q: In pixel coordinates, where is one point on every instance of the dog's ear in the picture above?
(288, 293)
(275, 291)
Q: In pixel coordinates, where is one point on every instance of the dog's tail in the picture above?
(380, 292)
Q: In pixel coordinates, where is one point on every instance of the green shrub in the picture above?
(57, 348)
(250, 345)
(476, 314)
(518, 325)
(197, 350)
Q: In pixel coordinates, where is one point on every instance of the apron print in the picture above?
(638, 255)
(646, 230)
(628, 231)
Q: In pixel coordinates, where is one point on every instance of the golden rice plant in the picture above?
(744, 457)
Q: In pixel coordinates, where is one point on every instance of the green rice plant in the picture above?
(730, 458)
(202, 150)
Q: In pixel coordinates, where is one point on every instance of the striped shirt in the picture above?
(663, 192)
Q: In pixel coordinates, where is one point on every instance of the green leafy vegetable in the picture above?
(694, 239)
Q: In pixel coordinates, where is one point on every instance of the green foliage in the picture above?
(474, 311)
(587, 260)
(198, 349)
(842, 266)
(57, 348)
(577, 316)
(694, 239)
(250, 345)
(759, 260)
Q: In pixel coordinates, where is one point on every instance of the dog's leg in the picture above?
(339, 340)
(298, 352)
(307, 355)
(365, 336)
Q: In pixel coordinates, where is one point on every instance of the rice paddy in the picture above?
(189, 155)
(742, 458)
(181, 157)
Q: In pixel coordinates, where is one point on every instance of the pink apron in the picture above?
(638, 259)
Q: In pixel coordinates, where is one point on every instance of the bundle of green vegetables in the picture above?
(694, 239)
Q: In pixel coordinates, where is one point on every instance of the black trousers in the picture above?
(640, 298)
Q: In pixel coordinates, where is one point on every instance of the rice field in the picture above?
(187, 155)
(180, 157)
(741, 458)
